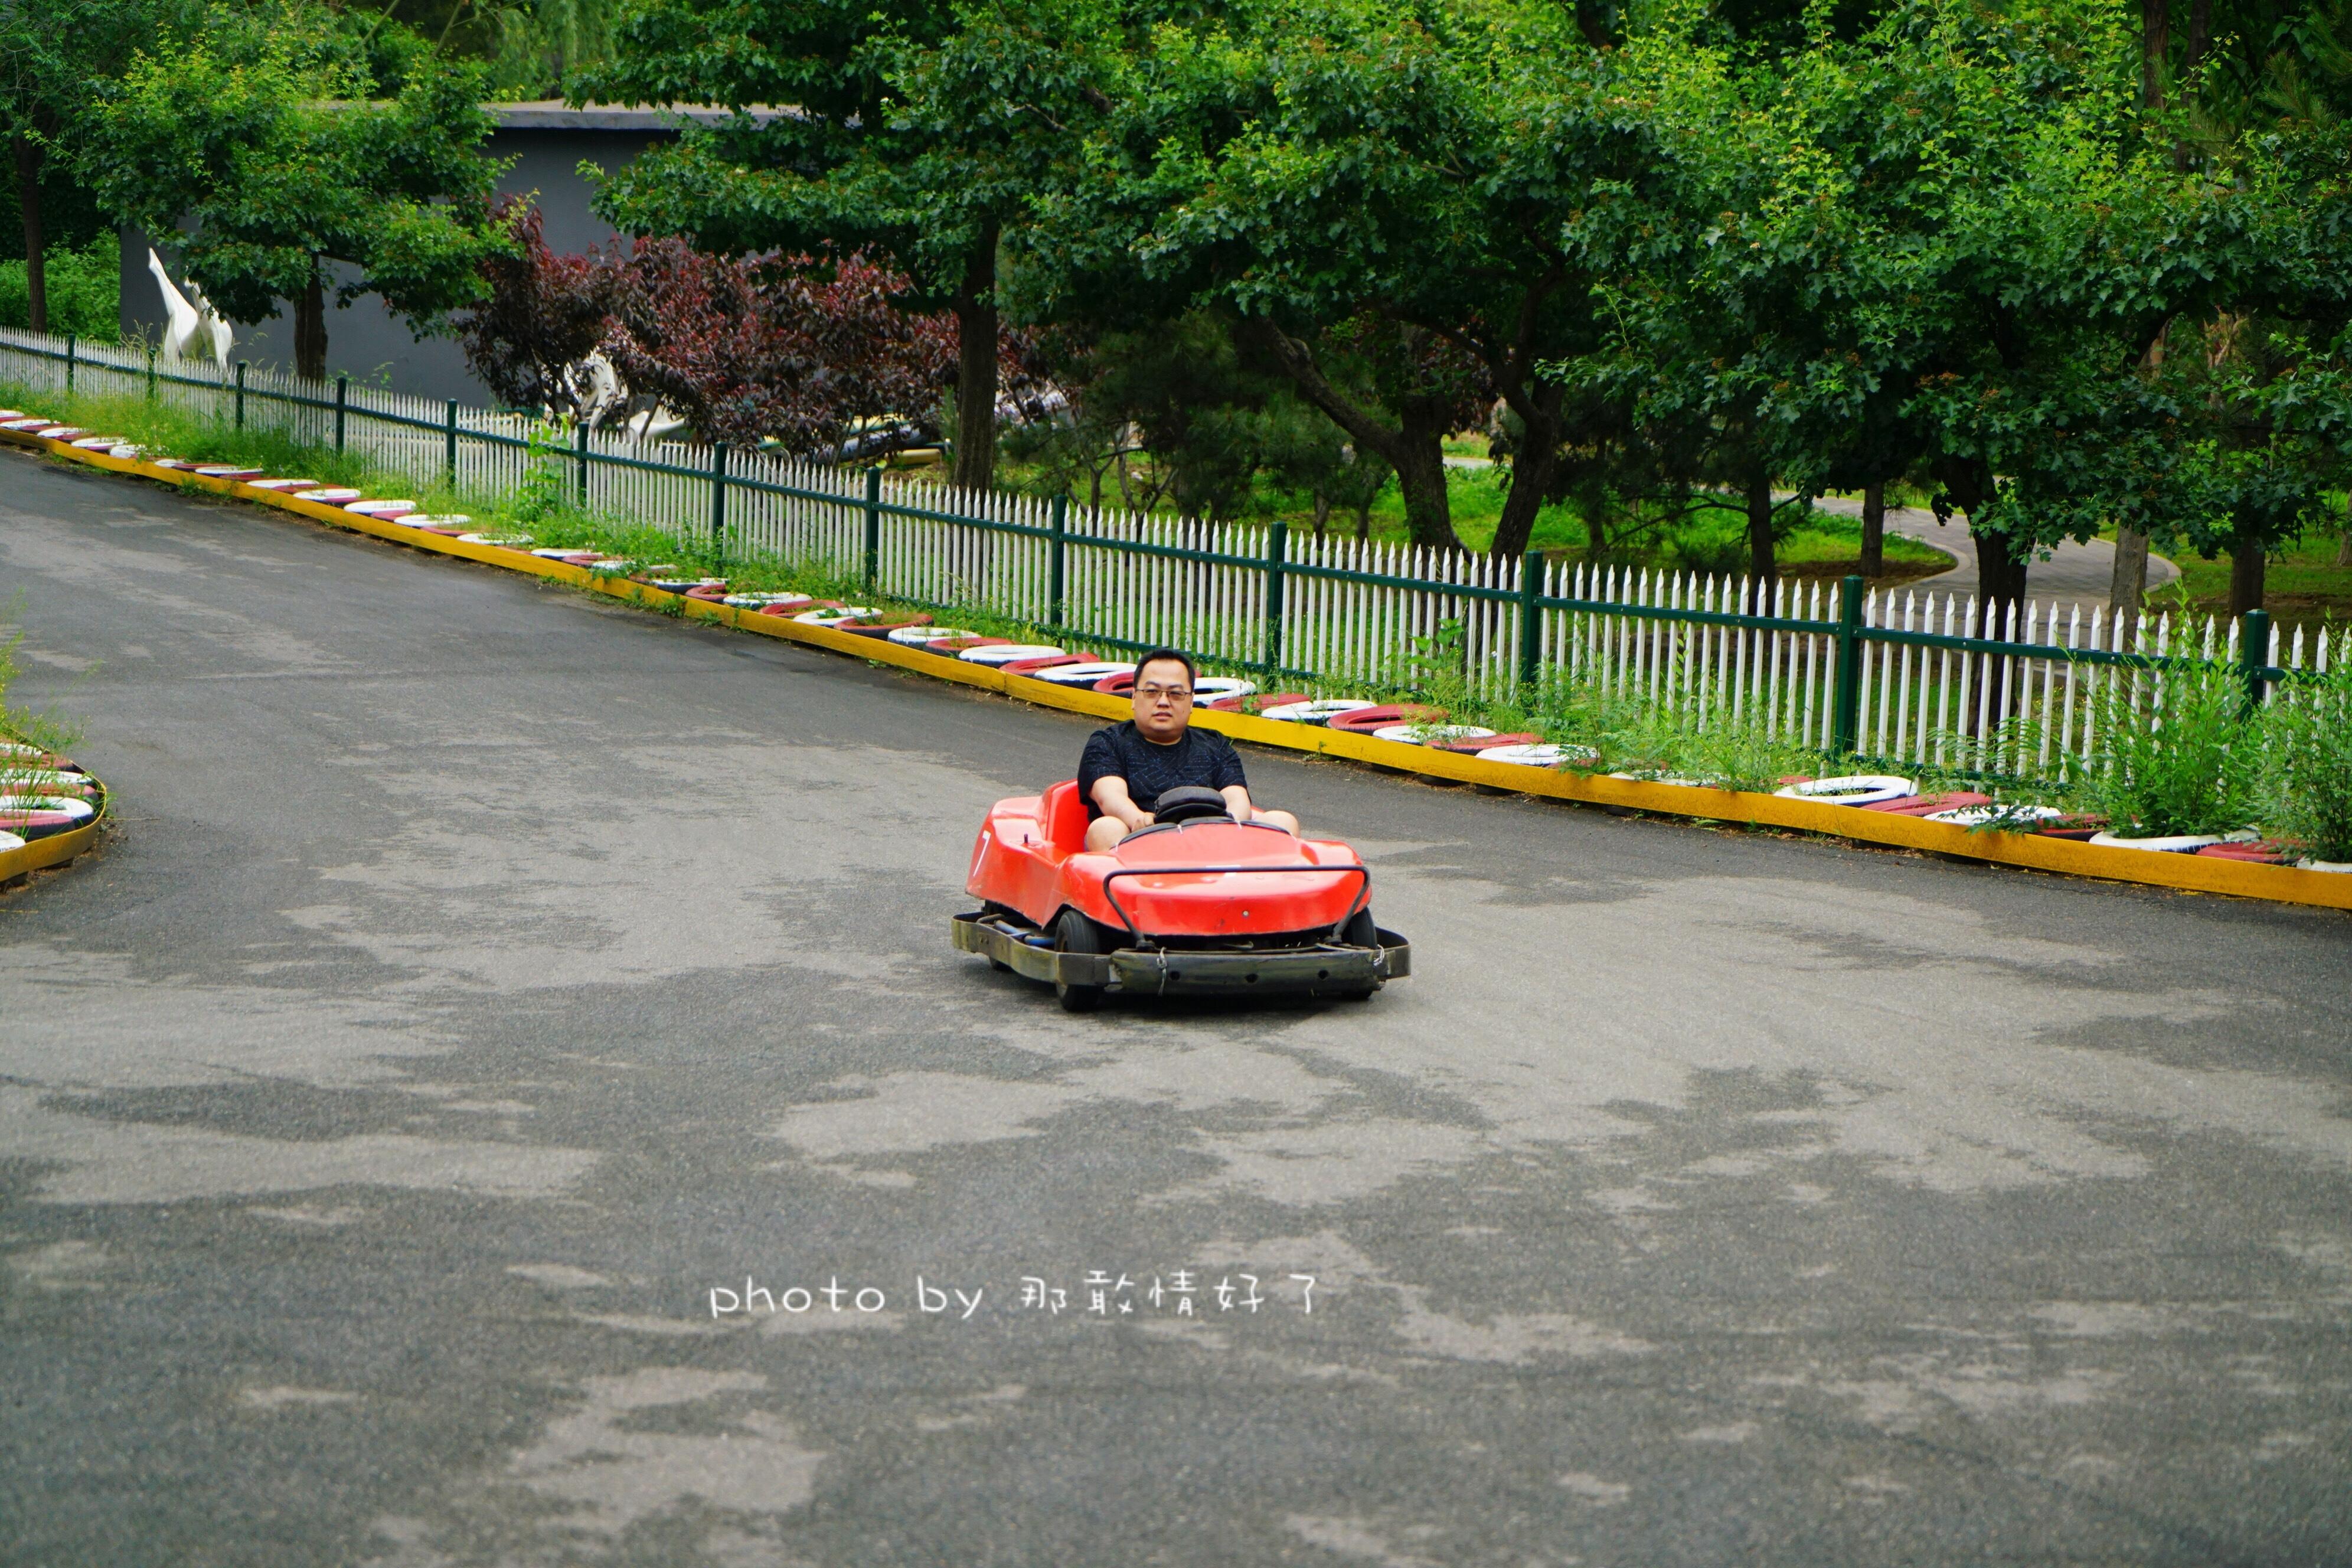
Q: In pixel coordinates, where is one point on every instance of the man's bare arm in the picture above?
(1112, 799)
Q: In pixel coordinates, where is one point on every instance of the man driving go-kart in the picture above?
(1129, 765)
(1203, 894)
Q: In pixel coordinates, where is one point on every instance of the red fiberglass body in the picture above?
(1208, 905)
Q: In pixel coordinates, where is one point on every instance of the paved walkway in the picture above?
(2074, 574)
(483, 974)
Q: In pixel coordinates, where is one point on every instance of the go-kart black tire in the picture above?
(1074, 932)
(1360, 930)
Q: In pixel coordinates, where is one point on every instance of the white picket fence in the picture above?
(1133, 580)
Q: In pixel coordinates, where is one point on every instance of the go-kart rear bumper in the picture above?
(1329, 969)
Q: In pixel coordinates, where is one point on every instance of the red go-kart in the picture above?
(1195, 904)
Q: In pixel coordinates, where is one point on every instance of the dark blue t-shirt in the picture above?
(1201, 758)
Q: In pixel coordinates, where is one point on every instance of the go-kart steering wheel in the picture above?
(1189, 803)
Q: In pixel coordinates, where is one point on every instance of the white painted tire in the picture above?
(19, 751)
(1321, 712)
(1539, 756)
(1851, 789)
(288, 486)
(27, 424)
(917, 637)
(9, 841)
(2172, 844)
(127, 452)
(431, 520)
(385, 510)
(230, 471)
(1010, 652)
(1218, 688)
(333, 495)
(504, 541)
(773, 603)
(1080, 674)
(99, 443)
(2339, 866)
(1969, 815)
(834, 617)
(1422, 734)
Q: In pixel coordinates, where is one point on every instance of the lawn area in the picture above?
(2304, 586)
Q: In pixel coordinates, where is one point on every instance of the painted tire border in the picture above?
(40, 854)
(2063, 857)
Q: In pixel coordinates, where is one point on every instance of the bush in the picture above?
(85, 290)
(2176, 756)
(2307, 785)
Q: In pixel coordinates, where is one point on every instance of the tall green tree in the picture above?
(916, 130)
(55, 62)
(262, 149)
(1399, 173)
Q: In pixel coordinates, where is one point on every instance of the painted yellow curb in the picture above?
(2187, 873)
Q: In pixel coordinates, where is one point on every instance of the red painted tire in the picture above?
(1256, 702)
(1117, 685)
(1473, 745)
(1922, 805)
(713, 594)
(1031, 666)
(39, 816)
(1364, 721)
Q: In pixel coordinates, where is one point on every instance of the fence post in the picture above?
(719, 505)
(343, 403)
(69, 361)
(449, 445)
(873, 525)
(1061, 517)
(579, 444)
(1277, 550)
(240, 394)
(1531, 575)
(2254, 657)
(1847, 698)
(150, 373)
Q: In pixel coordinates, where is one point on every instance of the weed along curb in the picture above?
(2190, 873)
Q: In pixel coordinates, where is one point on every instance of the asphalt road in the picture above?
(480, 975)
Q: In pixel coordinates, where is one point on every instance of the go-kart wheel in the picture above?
(1360, 930)
(1074, 932)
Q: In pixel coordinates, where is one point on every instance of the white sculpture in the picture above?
(593, 387)
(194, 330)
(655, 423)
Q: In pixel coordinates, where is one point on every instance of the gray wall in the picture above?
(367, 341)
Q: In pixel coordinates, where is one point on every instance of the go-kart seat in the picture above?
(1065, 818)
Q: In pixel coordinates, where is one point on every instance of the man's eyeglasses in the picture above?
(1180, 695)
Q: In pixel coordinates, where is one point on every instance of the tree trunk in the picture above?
(2000, 582)
(1874, 529)
(975, 313)
(2129, 584)
(28, 198)
(1531, 474)
(1414, 447)
(311, 330)
(1763, 569)
(1322, 513)
(2247, 563)
(1420, 464)
(2152, 41)
(2001, 594)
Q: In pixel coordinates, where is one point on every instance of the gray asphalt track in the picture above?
(481, 976)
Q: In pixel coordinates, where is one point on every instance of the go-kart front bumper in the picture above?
(1325, 969)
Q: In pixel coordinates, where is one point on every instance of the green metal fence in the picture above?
(1902, 675)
